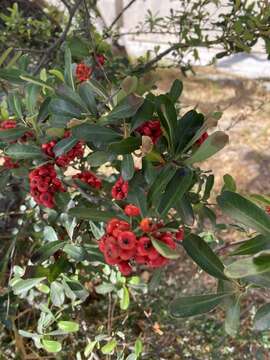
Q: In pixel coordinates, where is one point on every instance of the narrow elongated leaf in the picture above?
(125, 109)
(138, 198)
(168, 118)
(90, 214)
(24, 152)
(104, 288)
(258, 198)
(164, 249)
(232, 320)
(124, 301)
(46, 251)
(144, 113)
(176, 90)
(262, 318)
(36, 81)
(66, 93)
(127, 167)
(16, 103)
(64, 145)
(253, 246)
(22, 286)
(176, 188)
(91, 132)
(125, 146)
(195, 305)
(229, 183)
(12, 134)
(185, 210)
(208, 187)
(204, 256)
(214, 143)
(57, 294)
(187, 127)
(160, 183)
(5, 54)
(88, 96)
(61, 107)
(76, 252)
(12, 75)
(68, 69)
(244, 211)
(248, 267)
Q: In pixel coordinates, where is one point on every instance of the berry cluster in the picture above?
(44, 184)
(120, 189)
(9, 163)
(89, 178)
(122, 247)
(11, 124)
(64, 160)
(152, 129)
(202, 139)
(83, 72)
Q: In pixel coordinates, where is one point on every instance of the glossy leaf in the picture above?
(164, 249)
(253, 246)
(244, 211)
(262, 318)
(232, 319)
(90, 214)
(176, 188)
(64, 145)
(88, 96)
(127, 167)
(229, 183)
(66, 93)
(24, 152)
(12, 134)
(99, 158)
(22, 285)
(104, 288)
(68, 326)
(91, 132)
(57, 294)
(46, 251)
(195, 305)
(187, 127)
(125, 146)
(51, 346)
(204, 256)
(76, 252)
(144, 113)
(68, 69)
(176, 90)
(214, 143)
(125, 109)
(109, 347)
(124, 301)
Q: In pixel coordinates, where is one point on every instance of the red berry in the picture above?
(126, 240)
(152, 129)
(145, 225)
(180, 234)
(202, 139)
(132, 210)
(125, 268)
(83, 72)
(120, 189)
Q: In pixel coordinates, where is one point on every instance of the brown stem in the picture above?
(120, 15)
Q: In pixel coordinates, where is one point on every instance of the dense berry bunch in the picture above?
(65, 159)
(120, 189)
(44, 184)
(9, 163)
(152, 129)
(8, 124)
(122, 247)
(83, 72)
(89, 178)
(202, 139)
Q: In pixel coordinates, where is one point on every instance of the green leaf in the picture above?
(208, 187)
(64, 145)
(160, 183)
(129, 84)
(36, 81)
(32, 94)
(109, 347)
(244, 211)
(66, 93)
(89, 348)
(99, 158)
(88, 96)
(68, 326)
(127, 167)
(57, 294)
(187, 127)
(61, 107)
(265, 200)
(176, 90)
(68, 75)
(76, 252)
(125, 109)
(204, 256)
(12, 75)
(44, 110)
(138, 198)
(229, 183)
(104, 288)
(16, 104)
(168, 118)
(214, 143)
(138, 347)
(195, 305)
(5, 54)
(98, 89)
(258, 264)
(79, 47)
(144, 113)
(22, 286)
(253, 246)
(262, 318)
(176, 188)
(51, 346)
(57, 73)
(232, 320)
(164, 249)
(124, 301)
(12, 134)
(24, 152)
(125, 146)
(46, 251)
(90, 214)
(91, 132)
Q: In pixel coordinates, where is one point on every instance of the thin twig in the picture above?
(120, 15)
(46, 57)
